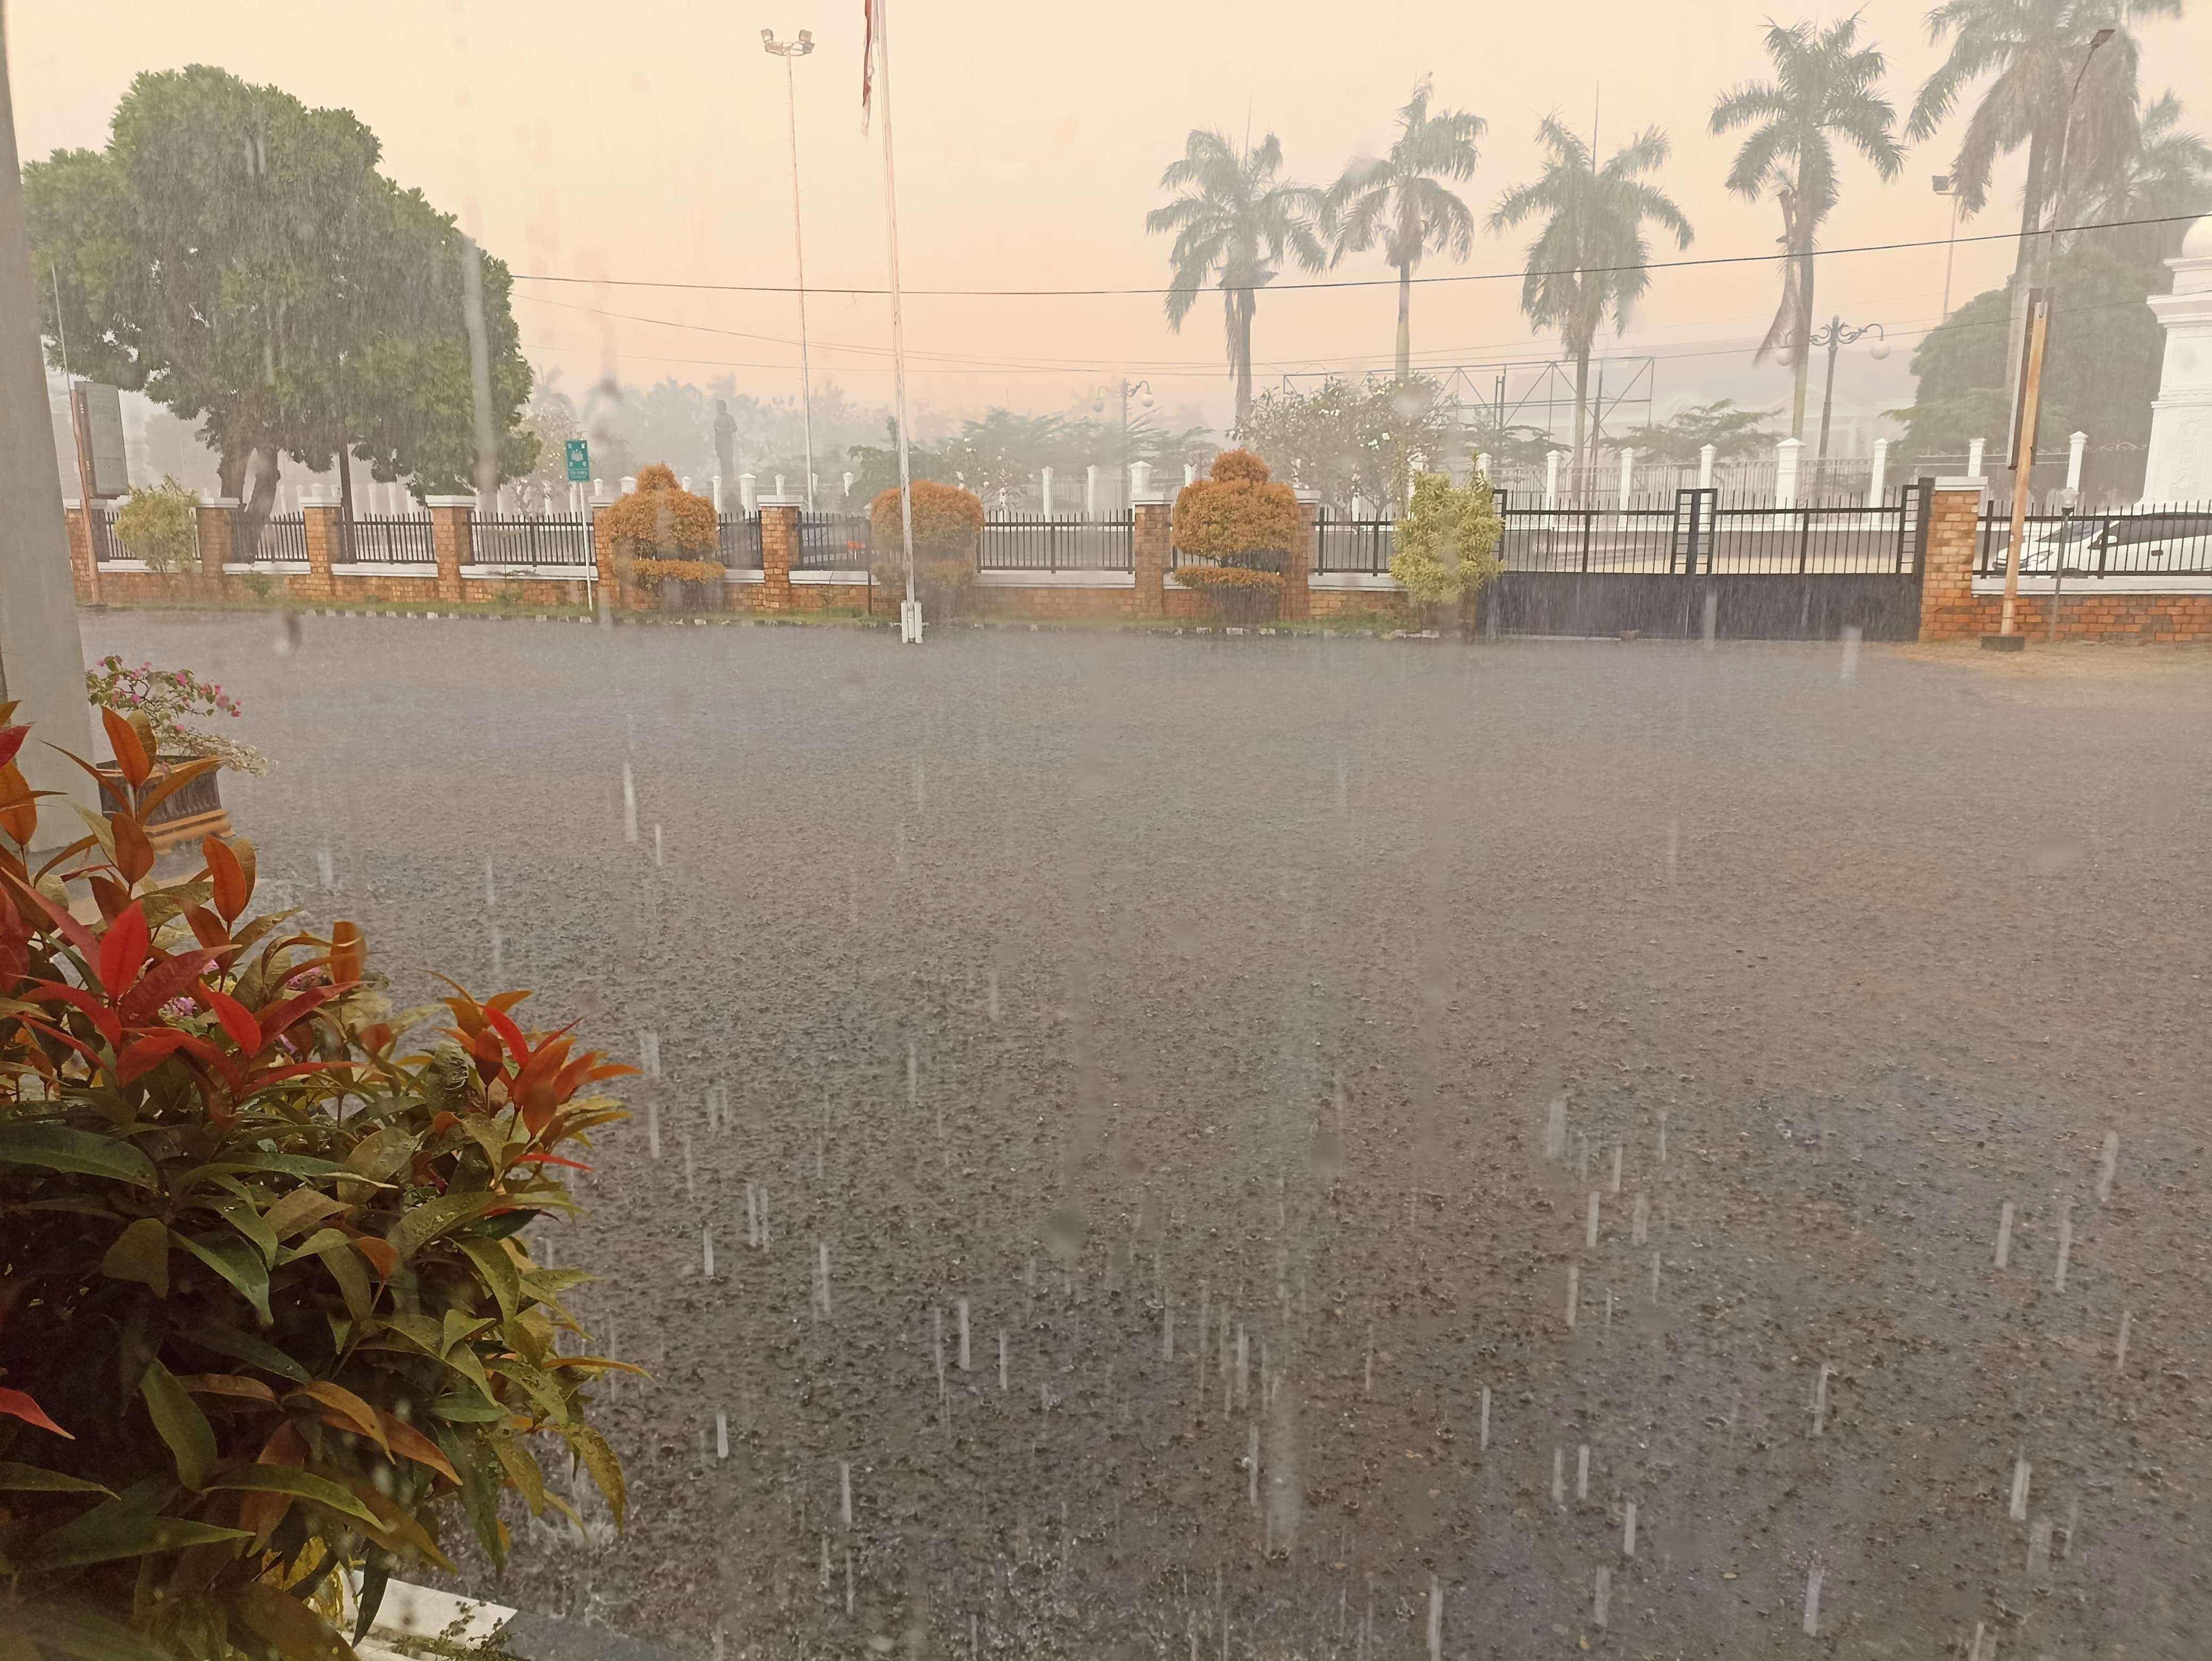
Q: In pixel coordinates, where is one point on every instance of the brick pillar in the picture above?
(1297, 564)
(451, 521)
(84, 569)
(603, 558)
(321, 520)
(1947, 611)
(218, 534)
(1153, 535)
(779, 518)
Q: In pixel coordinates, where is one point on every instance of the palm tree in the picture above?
(1826, 87)
(2031, 51)
(1591, 254)
(1235, 217)
(2168, 176)
(1395, 198)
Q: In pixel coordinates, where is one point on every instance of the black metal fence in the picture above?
(738, 537)
(393, 540)
(833, 542)
(283, 539)
(1344, 545)
(2137, 542)
(515, 542)
(1034, 542)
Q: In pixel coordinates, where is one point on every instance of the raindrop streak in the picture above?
(1662, 1135)
(1604, 1596)
(1582, 1471)
(822, 1282)
(1655, 1277)
(1435, 1618)
(629, 804)
(1167, 1331)
(656, 847)
(1574, 1292)
(1486, 1417)
(691, 1188)
(963, 1308)
(1558, 1476)
(2112, 1164)
(2039, 1548)
(2019, 1469)
(1640, 1222)
(721, 1436)
(913, 1075)
(648, 1053)
(326, 870)
(1813, 1603)
(1616, 1167)
(2120, 1351)
(2065, 1245)
(2004, 1235)
(1002, 1363)
(1555, 1129)
(491, 892)
(993, 984)
(1628, 1531)
(845, 1491)
(653, 1127)
(1590, 1226)
(1252, 1469)
(707, 1251)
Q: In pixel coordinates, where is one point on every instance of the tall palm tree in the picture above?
(2031, 51)
(2168, 175)
(1826, 87)
(1590, 255)
(1235, 221)
(1396, 199)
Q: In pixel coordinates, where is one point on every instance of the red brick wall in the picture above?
(1948, 608)
(779, 528)
(84, 573)
(451, 534)
(2086, 614)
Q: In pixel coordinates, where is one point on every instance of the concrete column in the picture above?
(598, 490)
(1189, 474)
(1151, 538)
(1787, 453)
(1140, 480)
(779, 518)
(1974, 458)
(2077, 446)
(1551, 477)
(746, 498)
(1298, 562)
(1947, 607)
(1482, 465)
(321, 520)
(1880, 478)
(718, 495)
(41, 656)
(779, 485)
(1091, 491)
(686, 483)
(2178, 467)
(451, 532)
(218, 531)
(628, 485)
(1706, 456)
(1044, 481)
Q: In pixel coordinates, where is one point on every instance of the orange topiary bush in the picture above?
(948, 522)
(1245, 525)
(662, 533)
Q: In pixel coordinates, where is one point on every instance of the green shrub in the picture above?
(160, 524)
(1446, 547)
(268, 1310)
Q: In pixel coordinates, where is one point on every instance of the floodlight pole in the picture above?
(910, 611)
(787, 50)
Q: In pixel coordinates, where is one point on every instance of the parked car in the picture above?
(2178, 541)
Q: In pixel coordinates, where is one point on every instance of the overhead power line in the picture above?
(1521, 275)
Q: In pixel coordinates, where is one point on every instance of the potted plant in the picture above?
(1241, 527)
(160, 524)
(158, 703)
(1446, 546)
(270, 1311)
(665, 545)
(948, 525)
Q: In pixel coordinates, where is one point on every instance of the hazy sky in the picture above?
(648, 142)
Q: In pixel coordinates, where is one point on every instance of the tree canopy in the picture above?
(236, 256)
(1730, 429)
(1341, 438)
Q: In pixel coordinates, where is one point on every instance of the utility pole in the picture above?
(2023, 453)
(1944, 186)
(787, 50)
(41, 656)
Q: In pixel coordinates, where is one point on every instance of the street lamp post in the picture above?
(1141, 391)
(1945, 185)
(1835, 335)
(2035, 349)
(787, 50)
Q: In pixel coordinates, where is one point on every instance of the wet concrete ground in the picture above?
(1195, 1012)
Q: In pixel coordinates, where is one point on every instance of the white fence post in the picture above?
(1551, 477)
(1786, 453)
(1879, 476)
(747, 497)
(1706, 456)
(2077, 445)
(1974, 459)
(1140, 480)
(1189, 474)
(1482, 465)
(718, 495)
(1627, 479)
(848, 490)
(1045, 479)
(628, 485)
(1091, 491)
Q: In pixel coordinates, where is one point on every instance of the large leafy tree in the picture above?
(1591, 256)
(2027, 54)
(1235, 221)
(1342, 438)
(1731, 430)
(1826, 88)
(1399, 199)
(236, 256)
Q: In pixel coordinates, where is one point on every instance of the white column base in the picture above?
(909, 623)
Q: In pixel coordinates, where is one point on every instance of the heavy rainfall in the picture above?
(1298, 992)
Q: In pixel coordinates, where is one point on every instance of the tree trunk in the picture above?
(1243, 303)
(1404, 321)
(1804, 346)
(1582, 415)
(345, 505)
(253, 512)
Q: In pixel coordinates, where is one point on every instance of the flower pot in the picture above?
(186, 814)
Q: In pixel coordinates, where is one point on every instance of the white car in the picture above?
(2120, 544)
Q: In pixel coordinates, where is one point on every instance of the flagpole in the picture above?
(910, 612)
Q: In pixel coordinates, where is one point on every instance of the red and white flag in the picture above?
(867, 60)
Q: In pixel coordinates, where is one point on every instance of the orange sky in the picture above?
(648, 142)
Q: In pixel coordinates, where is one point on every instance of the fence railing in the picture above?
(1031, 542)
(393, 540)
(507, 542)
(1344, 545)
(283, 539)
(833, 542)
(739, 537)
(1703, 531)
(2135, 542)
